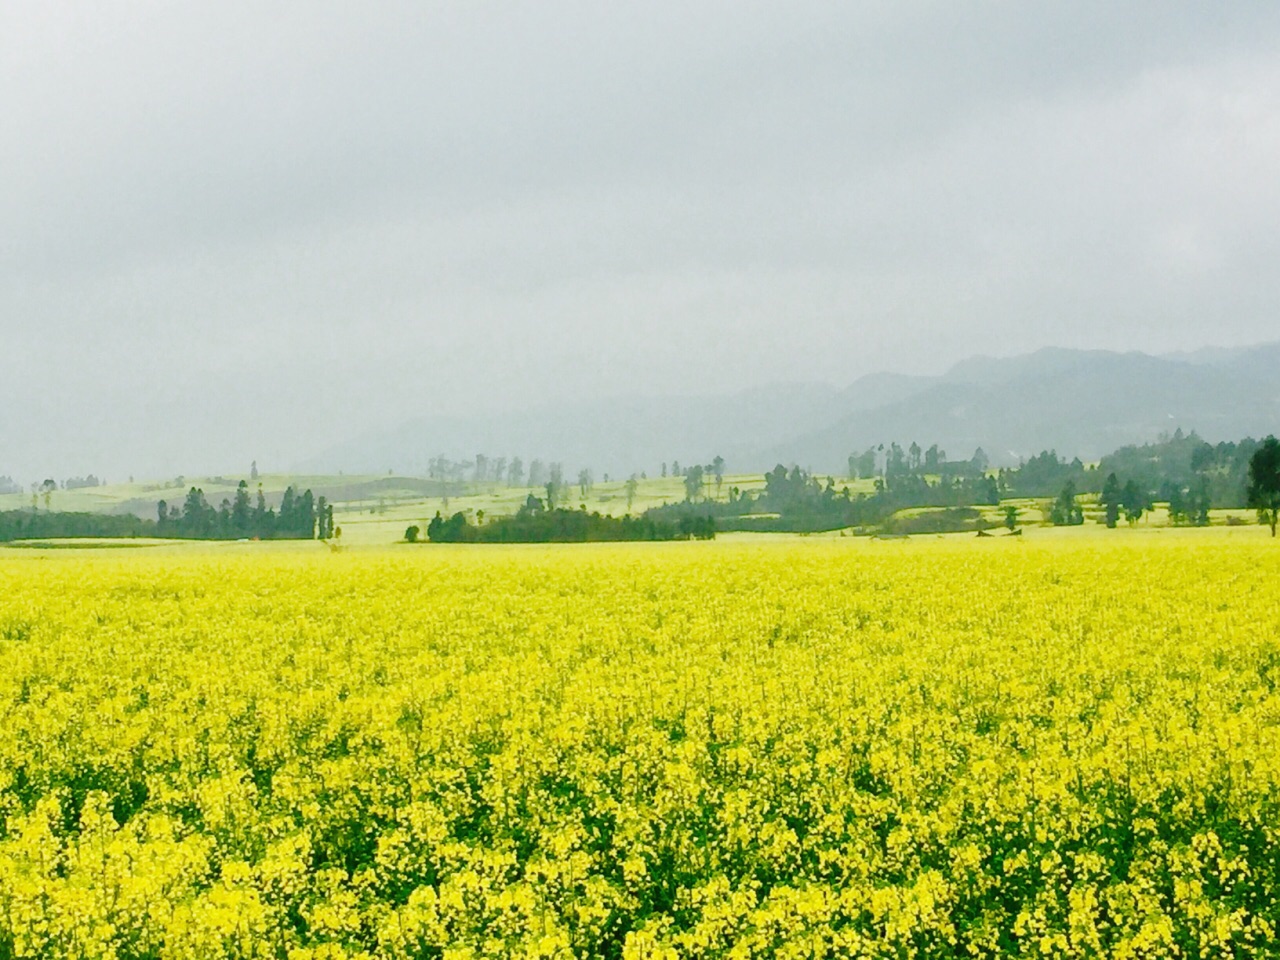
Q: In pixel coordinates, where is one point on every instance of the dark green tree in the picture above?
(1112, 495)
(1065, 511)
(263, 518)
(306, 528)
(1263, 491)
(324, 519)
(198, 517)
(1133, 501)
(242, 511)
(288, 510)
(1011, 517)
(1200, 501)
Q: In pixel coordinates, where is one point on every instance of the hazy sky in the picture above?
(232, 230)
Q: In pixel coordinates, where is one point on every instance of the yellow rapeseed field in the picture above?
(800, 748)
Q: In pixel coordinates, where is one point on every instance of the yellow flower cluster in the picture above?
(820, 748)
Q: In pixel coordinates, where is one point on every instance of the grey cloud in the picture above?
(339, 215)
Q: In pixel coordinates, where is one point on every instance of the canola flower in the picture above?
(731, 749)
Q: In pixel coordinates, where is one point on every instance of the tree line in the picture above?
(1180, 468)
(34, 525)
(1190, 476)
(536, 522)
(1194, 477)
(1189, 472)
(793, 500)
(300, 517)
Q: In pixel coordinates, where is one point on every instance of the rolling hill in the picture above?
(1080, 403)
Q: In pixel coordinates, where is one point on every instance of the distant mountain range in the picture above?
(1079, 402)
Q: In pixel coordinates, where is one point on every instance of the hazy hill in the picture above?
(1081, 403)
(618, 435)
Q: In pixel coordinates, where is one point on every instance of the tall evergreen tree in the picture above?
(197, 516)
(287, 517)
(1133, 501)
(262, 516)
(1264, 482)
(324, 519)
(306, 528)
(1065, 510)
(1200, 501)
(242, 511)
(1011, 517)
(1111, 500)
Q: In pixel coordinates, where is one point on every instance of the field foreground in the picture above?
(797, 748)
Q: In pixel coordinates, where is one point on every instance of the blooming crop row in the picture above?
(806, 748)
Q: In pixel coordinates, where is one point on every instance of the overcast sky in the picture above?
(232, 230)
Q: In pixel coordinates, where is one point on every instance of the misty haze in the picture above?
(652, 481)
(234, 233)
